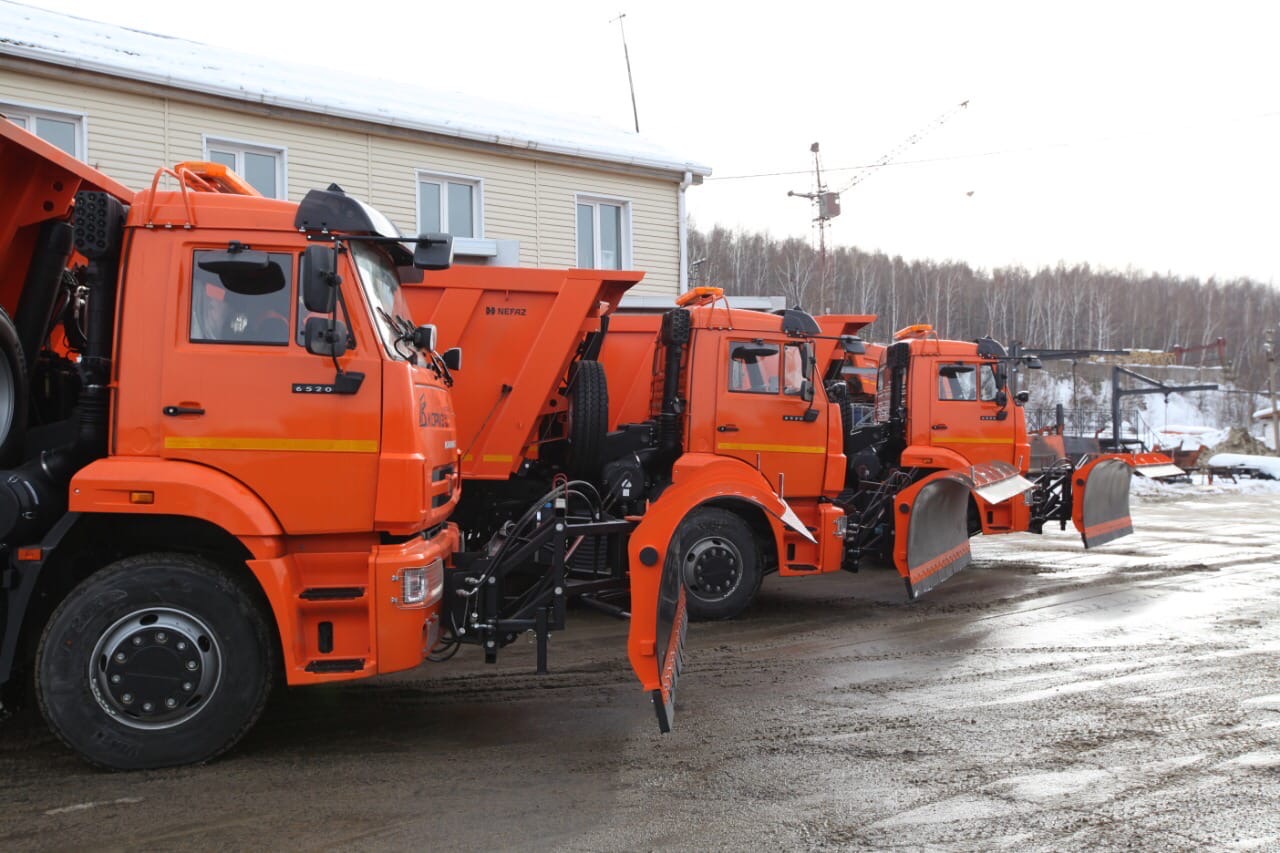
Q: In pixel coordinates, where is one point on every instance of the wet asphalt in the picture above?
(1046, 698)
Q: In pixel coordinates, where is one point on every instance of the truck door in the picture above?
(768, 416)
(969, 412)
(240, 392)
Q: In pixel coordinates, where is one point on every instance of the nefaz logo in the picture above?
(491, 310)
(435, 420)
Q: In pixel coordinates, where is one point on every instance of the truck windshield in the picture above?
(381, 285)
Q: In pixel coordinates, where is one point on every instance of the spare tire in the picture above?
(13, 393)
(588, 421)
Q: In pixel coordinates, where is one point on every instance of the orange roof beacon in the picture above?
(228, 455)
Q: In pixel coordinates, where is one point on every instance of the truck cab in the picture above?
(959, 413)
(232, 459)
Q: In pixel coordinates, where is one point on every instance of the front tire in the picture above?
(155, 661)
(719, 563)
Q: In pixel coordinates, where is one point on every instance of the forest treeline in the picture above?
(1056, 307)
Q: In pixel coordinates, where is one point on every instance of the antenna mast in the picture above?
(627, 56)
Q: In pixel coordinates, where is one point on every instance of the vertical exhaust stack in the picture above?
(34, 495)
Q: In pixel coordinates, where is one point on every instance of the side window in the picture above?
(237, 307)
(957, 382)
(795, 357)
(753, 367)
(990, 382)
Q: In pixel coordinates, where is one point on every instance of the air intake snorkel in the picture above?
(34, 495)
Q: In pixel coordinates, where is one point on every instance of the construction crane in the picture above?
(827, 202)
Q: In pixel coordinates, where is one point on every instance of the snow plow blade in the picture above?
(659, 621)
(1153, 466)
(1100, 500)
(996, 482)
(931, 532)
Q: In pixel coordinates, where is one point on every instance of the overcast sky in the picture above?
(1142, 135)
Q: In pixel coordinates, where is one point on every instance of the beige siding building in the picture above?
(513, 187)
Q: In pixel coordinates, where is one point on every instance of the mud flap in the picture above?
(931, 531)
(659, 622)
(996, 482)
(1100, 500)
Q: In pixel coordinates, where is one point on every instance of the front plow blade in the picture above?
(996, 482)
(659, 622)
(931, 531)
(1153, 466)
(1100, 500)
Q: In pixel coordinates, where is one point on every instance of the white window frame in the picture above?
(625, 263)
(28, 114)
(240, 146)
(442, 178)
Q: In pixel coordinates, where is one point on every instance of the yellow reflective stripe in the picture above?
(497, 457)
(974, 441)
(304, 445)
(771, 448)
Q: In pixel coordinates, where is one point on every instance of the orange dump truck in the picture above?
(782, 442)
(228, 458)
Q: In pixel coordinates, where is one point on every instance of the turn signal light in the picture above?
(142, 497)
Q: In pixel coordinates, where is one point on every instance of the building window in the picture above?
(604, 233)
(261, 165)
(449, 204)
(65, 130)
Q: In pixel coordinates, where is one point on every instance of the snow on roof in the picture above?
(1264, 414)
(37, 34)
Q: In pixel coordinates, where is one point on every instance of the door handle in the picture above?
(727, 428)
(939, 426)
(174, 411)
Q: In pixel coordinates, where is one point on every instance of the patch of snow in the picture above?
(1269, 465)
(79, 43)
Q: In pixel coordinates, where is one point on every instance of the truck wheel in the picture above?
(588, 420)
(719, 563)
(13, 392)
(155, 661)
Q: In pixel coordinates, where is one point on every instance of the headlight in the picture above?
(420, 586)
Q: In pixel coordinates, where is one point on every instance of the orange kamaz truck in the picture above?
(782, 442)
(228, 458)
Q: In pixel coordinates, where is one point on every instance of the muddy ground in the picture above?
(1046, 698)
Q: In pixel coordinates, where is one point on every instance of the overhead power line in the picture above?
(976, 155)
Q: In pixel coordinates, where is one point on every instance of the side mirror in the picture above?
(853, 345)
(320, 281)
(806, 390)
(424, 338)
(433, 252)
(1021, 398)
(246, 272)
(326, 337)
(452, 358)
(1033, 363)
(1002, 399)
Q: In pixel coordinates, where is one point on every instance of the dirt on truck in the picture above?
(228, 458)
